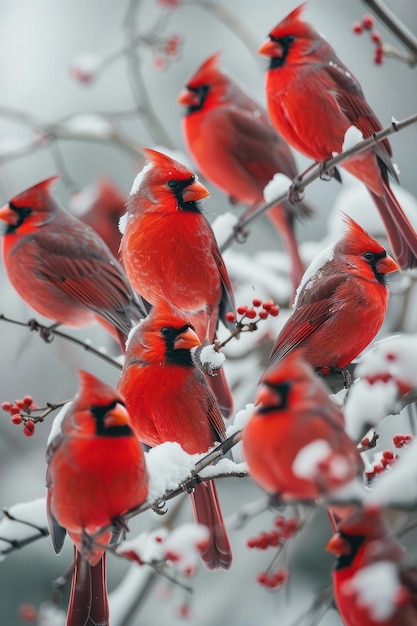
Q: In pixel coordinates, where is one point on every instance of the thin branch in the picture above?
(313, 173)
(396, 26)
(48, 331)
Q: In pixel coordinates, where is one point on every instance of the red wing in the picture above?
(302, 323)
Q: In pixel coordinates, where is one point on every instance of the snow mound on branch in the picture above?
(352, 137)
(277, 187)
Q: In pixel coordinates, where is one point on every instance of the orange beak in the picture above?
(8, 216)
(338, 546)
(188, 98)
(118, 416)
(195, 191)
(271, 48)
(186, 340)
(387, 265)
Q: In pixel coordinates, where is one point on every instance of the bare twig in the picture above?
(313, 173)
(50, 330)
(396, 26)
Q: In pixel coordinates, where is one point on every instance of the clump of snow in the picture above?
(81, 202)
(367, 405)
(123, 220)
(277, 187)
(89, 124)
(352, 137)
(223, 227)
(57, 423)
(181, 547)
(312, 272)
(375, 588)
(399, 485)
(211, 358)
(85, 67)
(306, 462)
(386, 372)
(139, 178)
(32, 512)
(240, 420)
(168, 466)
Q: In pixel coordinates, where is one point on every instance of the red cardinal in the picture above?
(101, 205)
(169, 250)
(235, 146)
(96, 473)
(169, 399)
(312, 100)
(341, 302)
(294, 443)
(372, 581)
(62, 268)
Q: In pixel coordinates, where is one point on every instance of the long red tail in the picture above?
(278, 215)
(88, 604)
(207, 511)
(401, 234)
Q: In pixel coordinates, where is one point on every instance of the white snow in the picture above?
(89, 124)
(352, 137)
(376, 587)
(306, 462)
(139, 178)
(277, 187)
(399, 485)
(209, 357)
(33, 512)
(168, 466)
(123, 219)
(367, 405)
(57, 422)
(312, 272)
(223, 227)
(147, 547)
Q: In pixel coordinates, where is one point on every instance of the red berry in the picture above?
(20, 404)
(267, 304)
(256, 302)
(368, 22)
(29, 428)
(16, 419)
(263, 314)
(274, 310)
(6, 406)
(242, 309)
(280, 577)
(251, 314)
(279, 521)
(273, 538)
(379, 54)
(369, 475)
(357, 28)
(27, 401)
(262, 578)
(376, 38)
(365, 442)
(388, 455)
(28, 612)
(378, 468)
(230, 316)
(251, 542)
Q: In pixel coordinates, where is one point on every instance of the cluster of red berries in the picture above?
(272, 579)
(387, 459)
(260, 310)
(168, 51)
(284, 529)
(367, 24)
(20, 412)
(400, 441)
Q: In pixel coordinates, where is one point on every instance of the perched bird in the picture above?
(62, 268)
(312, 100)
(169, 399)
(101, 205)
(341, 302)
(294, 443)
(235, 146)
(169, 250)
(373, 582)
(96, 473)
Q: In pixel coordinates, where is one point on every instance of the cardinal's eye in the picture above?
(369, 256)
(173, 184)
